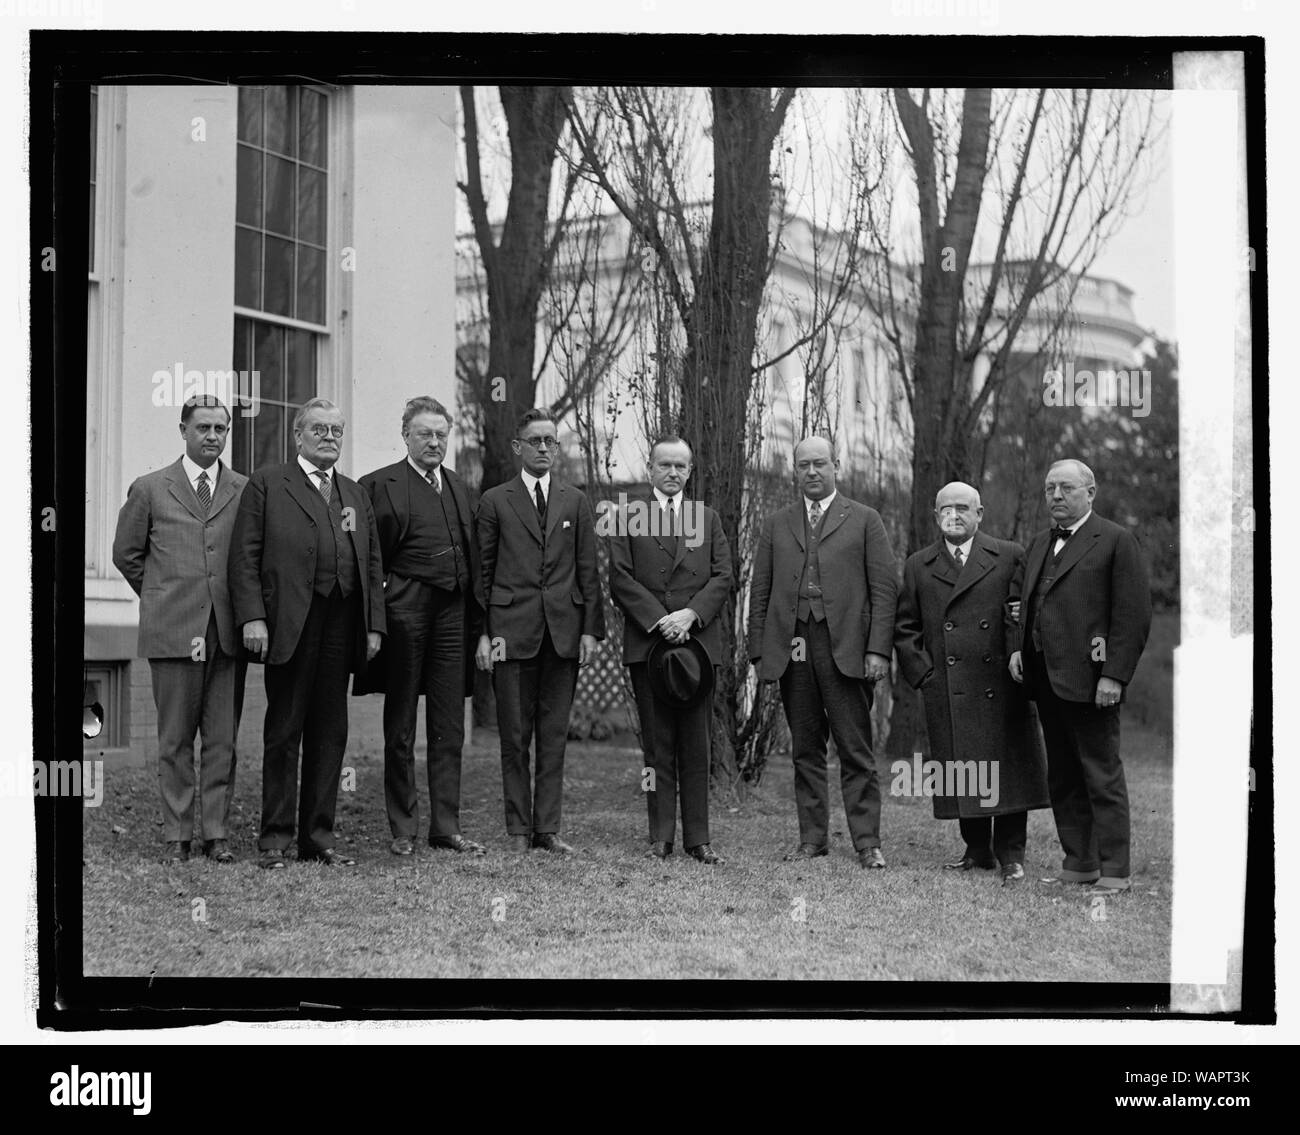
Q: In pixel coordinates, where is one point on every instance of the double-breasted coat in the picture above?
(953, 636)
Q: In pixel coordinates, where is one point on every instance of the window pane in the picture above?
(311, 284)
(279, 126)
(290, 443)
(311, 205)
(268, 436)
(301, 377)
(268, 355)
(94, 129)
(279, 195)
(242, 362)
(240, 451)
(278, 291)
(312, 122)
(248, 186)
(250, 115)
(248, 268)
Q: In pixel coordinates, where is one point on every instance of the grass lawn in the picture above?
(606, 912)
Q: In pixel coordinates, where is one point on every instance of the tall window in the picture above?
(94, 158)
(280, 262)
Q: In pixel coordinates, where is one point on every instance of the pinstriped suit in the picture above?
(1092, 622)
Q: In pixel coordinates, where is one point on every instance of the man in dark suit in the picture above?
(1084, 623)
(670, 572)
(307, 583)
(543, 616)
(430, 554)
(172, 541)
(821, 622)
(953, 635)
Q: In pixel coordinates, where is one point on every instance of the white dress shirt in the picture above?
(192, 471)
(531, 483)
(1073, 528)
(436, 471)
(825, 503)
(965, 549)
(313, 474)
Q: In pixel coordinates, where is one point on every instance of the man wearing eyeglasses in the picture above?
(951, 636)
(543, 616)
(306, 580)
(1083, 626)
(430, 553)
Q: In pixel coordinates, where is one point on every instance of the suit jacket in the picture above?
(1096, 613)
(858, 580)
(953, 636)
(648, 580)
(174, 558)
(390, 497)
(529, 583)
(273, 557)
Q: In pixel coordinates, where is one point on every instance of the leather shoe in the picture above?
(218, 850)
(329, 857)
(401, 846)
(1068, 881)
(806, 851)
(871, 858)
(549, 841)
(177, 851)
(520, 843)
(457, 843)
(1110, 887)
(1012, 873)
(969, 863)
(271, 859)
(705, 854)
(660, 849)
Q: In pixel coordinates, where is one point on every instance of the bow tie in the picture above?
(1060, 534)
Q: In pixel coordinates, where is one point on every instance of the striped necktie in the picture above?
(205, 493)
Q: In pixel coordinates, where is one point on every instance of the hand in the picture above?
(1016, 664)
(877, 668)
(586, 649)
(483, 654)
(1013, 609)
(677, 626)
(257, 639)
(374, 640)
(1109, 692)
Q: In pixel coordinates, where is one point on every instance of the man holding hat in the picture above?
(670, 572)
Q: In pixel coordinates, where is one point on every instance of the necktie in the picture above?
(814, 515)
(1060, 534)
(205, 493)
(541, 500)
(956, 555)
(324, 484)
(432, 477)
(672, 516)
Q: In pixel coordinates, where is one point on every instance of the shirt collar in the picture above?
(422, 474)
(531, 483)
(311, 470)
(965, 548)
(663, 498)
(1079, 523)
(193, 469)
(825, 502)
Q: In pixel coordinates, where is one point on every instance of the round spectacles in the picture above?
(539, 442)
(322, 432)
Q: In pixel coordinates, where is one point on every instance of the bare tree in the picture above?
(1016, 194)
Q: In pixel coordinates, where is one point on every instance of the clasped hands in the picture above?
(676, 627)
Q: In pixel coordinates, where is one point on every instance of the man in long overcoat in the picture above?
(953, 634)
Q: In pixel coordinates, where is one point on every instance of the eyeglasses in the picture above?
(1066, 488)
(321, 432)
(539, 442)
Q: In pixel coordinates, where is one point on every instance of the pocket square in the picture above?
(566, 524)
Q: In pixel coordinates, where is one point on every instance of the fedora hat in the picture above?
(681, 674)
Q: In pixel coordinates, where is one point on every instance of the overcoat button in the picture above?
(948, 626)
(984, 624)
(951, 660)
(988, 693)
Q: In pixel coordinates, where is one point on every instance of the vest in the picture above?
(1040, 593)
(431, 550)
(336, 559)
(810, 582)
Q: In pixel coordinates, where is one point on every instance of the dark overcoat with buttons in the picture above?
(953, 636)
